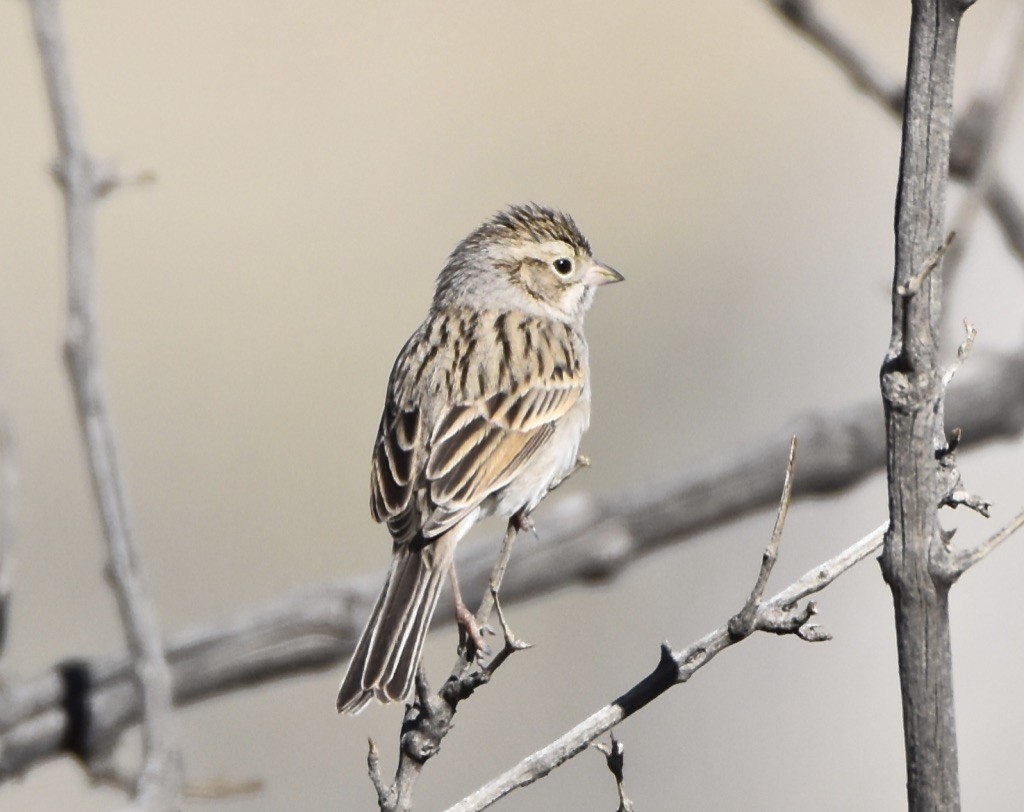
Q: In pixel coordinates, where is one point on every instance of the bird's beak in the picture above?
(598, 274)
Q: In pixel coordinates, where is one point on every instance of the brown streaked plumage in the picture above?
(485, 409)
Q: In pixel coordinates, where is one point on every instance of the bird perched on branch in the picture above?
(485, 409)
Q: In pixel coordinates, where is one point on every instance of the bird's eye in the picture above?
(563, 266)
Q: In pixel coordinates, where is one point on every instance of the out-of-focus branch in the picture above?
(9, 481)
(803, 15)
(987, 122)
(583, 538)
(82, 182)
(967, 152)
(780, 615)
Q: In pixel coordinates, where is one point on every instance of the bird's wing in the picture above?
(427, 478)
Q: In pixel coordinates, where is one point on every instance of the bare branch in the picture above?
(805, 19)
(950, 565)
(966, 153)
(586, 538)
(490, 597)
(912, 393)
(160, 782)
(742, 624)
(985, 127)
(517, 523)
(373, 767)
(946, 450)
(672, 669)
(963, 352)
(614, 754)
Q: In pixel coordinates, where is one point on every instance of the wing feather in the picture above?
(434, 461)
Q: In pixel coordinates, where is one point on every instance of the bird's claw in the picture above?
(471, 637)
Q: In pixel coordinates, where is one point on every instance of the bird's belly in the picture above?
(549, 465)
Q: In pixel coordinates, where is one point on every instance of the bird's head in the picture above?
(529, 258)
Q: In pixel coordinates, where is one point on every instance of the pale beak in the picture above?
(598, 274)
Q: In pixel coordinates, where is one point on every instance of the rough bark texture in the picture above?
(912, 391)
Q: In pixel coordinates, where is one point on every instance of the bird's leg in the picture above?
(470, 636)
(522, 523)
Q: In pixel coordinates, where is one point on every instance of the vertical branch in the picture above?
(911, 391)
(83, 183)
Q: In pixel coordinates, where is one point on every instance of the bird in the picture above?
(485, 408)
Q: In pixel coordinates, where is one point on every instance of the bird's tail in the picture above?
(387, 655)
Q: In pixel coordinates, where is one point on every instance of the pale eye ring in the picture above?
(563, 266)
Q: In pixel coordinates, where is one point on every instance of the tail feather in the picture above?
(406, 659)
(385, 659)
(404, 593)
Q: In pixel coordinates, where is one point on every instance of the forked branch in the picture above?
(781, 614)
(83, 182)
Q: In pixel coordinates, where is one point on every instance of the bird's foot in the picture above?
(471, 638)
(522, 523)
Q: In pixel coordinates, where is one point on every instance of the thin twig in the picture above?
(483, 613)
(963, 352)
(946, 449)
(913, 285)
(742, 624)
(951, 565)
(673, 668)
(521, 521)
(512, 644)
(614, 755)
(160, 782)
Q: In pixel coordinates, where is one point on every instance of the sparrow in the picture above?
(485, 409)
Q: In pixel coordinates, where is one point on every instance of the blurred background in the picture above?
(315, 164)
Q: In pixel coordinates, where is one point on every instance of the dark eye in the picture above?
(563, 266)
